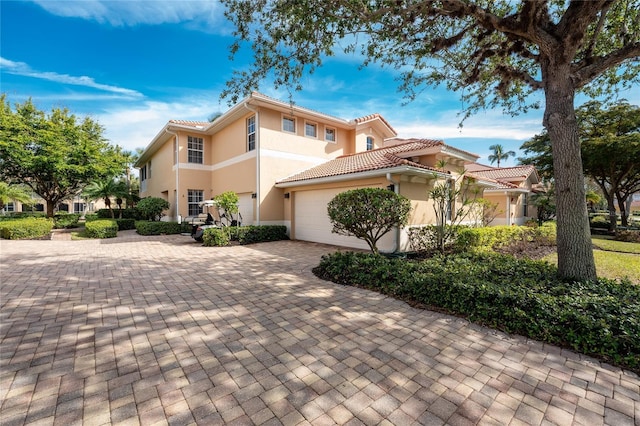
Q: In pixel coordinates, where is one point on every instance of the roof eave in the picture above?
(363, 175)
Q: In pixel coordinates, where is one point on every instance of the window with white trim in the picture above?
(251, 133)
(369, 143)
(310, 130)
(143, 173)
(195, 150)
(194, 196)
(9, 207)
(289, 124)
(329, 134)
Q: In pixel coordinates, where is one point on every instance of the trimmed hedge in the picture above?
(102, 228)
(126, 224)
(501, 236)
(215, 237)
(258, 234)
(526, 297)
(21, 215)
(25, 228)
(628, 236)
(126, 214)
(65, 220)
(144, 227)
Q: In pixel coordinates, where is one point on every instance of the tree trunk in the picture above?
(50, 206)
(575, 252)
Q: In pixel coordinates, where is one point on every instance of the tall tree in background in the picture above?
(499, 154)
(106, 189)
(54, 154)
(610, 143)
(495, 52)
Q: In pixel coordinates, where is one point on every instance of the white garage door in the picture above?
(245, 206)
(312, 223)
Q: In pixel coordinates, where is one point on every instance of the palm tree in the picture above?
(499, 154)
(130, 158)
(106, 189)
(9, 193)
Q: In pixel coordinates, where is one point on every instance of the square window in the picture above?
(311, 130)
(289, 124)
(330, 134)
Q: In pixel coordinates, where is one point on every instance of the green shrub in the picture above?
(215, 237)
(628, 236)
(526, 297)
(21, 215)
(599, 222)
(144, 227)
(502, 236)
(150, 208)
(102, 228)
(91, 216)
(126, 224)
(126, 214)
(258, 234)
(65, 220)
(24, 228)
(424, 239)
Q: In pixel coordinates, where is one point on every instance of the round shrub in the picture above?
(102, 228)
(150, 208)
(26, 228)
(215, 237)
(65, 220)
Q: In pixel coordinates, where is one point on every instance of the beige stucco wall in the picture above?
(361, 135)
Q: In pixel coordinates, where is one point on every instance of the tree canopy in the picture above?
(54, 154)
(610, 143)
(493, 52)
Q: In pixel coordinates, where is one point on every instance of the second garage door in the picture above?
(311, 221)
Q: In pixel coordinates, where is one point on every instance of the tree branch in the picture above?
(589, 68)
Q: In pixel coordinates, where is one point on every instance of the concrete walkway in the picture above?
(160, 330)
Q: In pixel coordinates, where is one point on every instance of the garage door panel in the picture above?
(312, 222)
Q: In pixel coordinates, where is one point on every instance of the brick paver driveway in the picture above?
(162, 330)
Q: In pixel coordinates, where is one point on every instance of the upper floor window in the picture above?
(311, 130)
(195, 150)
(369, 143)
(251, 133)
(143, 173)
(329, 134)
(289, 124)
(149, 170)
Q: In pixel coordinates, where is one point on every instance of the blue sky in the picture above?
(134, 65)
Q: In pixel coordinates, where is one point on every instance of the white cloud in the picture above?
(23, 69)
(135, 126)
(202, 15)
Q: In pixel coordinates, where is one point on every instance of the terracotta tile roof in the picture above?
(497, 184)
(402, 140)
(517, 172)
(370, 117)
(190, 123)
(377, 159)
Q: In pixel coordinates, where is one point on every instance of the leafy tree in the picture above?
(610, 144)
(499, 154)
(106, 189)
(496, 52)
(54, 154)
(227, 201)
(151, 208)
(545, 203)
(368, 213)
(9, 193)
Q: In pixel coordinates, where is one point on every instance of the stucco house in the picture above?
(287, 162)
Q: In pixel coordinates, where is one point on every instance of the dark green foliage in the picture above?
(21, 215)
(125, 224)
(158, 228)
(102, 228)
(126, 214)
(91, 216)
(150, 208)
(215, 237)
(65, 220)
(519, 296)
(368, 213)
(25, 228)
(258, 234)
(599, 222)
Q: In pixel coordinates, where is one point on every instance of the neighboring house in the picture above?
(74, 205)
(512, 195)
(287, 162)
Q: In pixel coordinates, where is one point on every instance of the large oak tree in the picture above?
(495, 52)
(56, 154)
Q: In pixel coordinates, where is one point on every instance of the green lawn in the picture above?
(616, 260)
